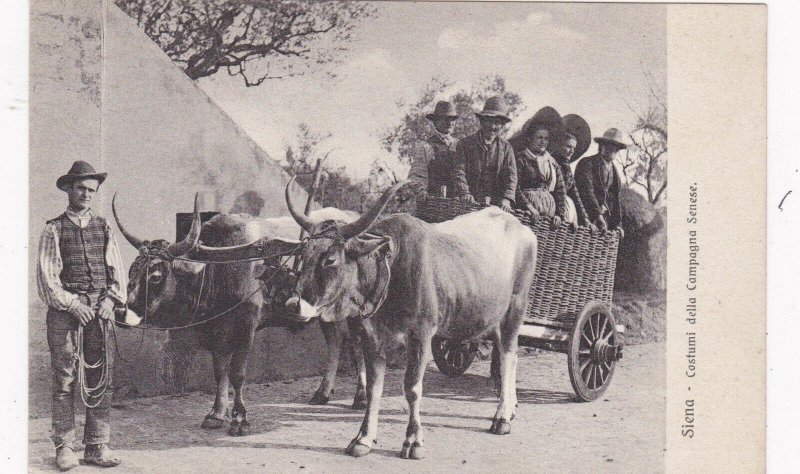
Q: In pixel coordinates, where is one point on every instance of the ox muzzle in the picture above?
(126, 316)
(301, 309)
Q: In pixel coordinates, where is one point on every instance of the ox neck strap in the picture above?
(381, 287)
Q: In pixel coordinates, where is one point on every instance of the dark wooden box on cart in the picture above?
(183, 222)
(569, 306)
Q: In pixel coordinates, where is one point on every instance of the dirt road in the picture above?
(621, 432)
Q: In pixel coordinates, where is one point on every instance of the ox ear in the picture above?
(366, 244)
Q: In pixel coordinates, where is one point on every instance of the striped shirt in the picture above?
(49, 266)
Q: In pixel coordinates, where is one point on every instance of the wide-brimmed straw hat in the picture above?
(443, 109)
(80, 170)
(495, 107)
(613, 137)
(576, 126)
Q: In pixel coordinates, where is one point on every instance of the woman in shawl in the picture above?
(540, 184)
(568, 148)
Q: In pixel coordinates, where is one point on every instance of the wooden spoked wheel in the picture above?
(593, 351)
(453, 358)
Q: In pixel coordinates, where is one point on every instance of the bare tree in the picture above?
(254, 39)
(645, 162)
(337, 189)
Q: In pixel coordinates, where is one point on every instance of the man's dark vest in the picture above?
(82, 253)
(442, 166)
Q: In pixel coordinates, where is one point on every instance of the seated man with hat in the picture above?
(599, 183)
(485, 166)
(80, 278)
(433, 159)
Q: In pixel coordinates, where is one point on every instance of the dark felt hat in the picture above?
(495, 107)
(443, 109)
(547, 117)
(80, 170)
(576, 126)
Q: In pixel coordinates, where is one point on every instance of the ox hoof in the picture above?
(239, 428)
(360, 401)
(211, 422)
(358, 448)
(412, 451)
(500, 427)
(319, 399)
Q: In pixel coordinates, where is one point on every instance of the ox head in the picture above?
(155, 275)
(345, 269)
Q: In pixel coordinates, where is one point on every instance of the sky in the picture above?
(589, 59)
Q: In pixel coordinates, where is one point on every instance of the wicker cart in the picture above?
(570, 301)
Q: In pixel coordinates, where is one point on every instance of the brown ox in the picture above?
(171, 286)
(405, 279)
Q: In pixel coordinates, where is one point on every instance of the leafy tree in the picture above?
(254, 39)
(400, 139)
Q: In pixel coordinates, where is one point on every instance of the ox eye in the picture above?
(155, 278)
(328, 261)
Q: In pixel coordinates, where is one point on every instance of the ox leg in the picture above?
(360, 399)
(507, 348)
(219, 411)
(418, 354)
(494, 371)
(375, 359)
(239, 424)
(335, 334)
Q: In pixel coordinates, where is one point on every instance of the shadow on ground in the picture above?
(178, 425)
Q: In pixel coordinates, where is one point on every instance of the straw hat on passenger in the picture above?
(613, 137)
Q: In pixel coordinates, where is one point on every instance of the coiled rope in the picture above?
(93, 395)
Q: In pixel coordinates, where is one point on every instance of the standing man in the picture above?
(599, 184)
(485, 165)
(433, 159)
(80, 278)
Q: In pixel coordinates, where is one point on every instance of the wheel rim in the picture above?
(596, 351)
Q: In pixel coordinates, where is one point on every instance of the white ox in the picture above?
(402, 278)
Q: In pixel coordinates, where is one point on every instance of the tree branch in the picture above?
(660, 191)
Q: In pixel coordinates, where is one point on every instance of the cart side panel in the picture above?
(572, 268)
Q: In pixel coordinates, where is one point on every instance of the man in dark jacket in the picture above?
(433, 159)
(599, 184)
(485, 166)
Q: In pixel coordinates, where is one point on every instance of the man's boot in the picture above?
(100, 455)
(66, 458)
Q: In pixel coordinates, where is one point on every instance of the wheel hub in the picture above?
(602, 351)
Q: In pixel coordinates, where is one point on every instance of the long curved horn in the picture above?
(368, 218)
(304, 221)
(192, 238)
(132, 239)
(259, 248)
